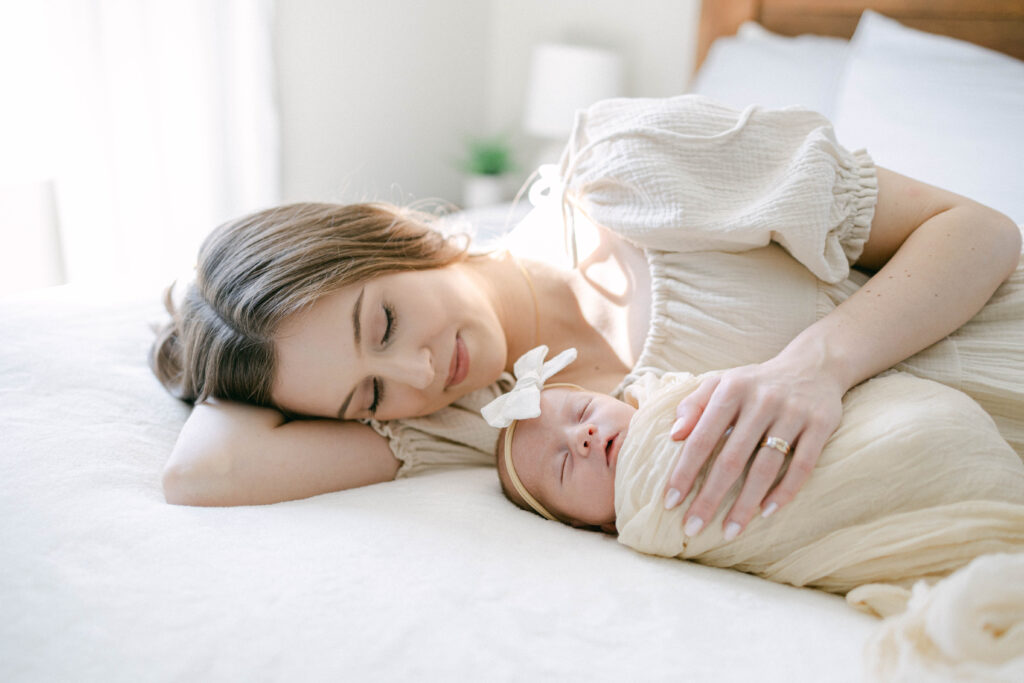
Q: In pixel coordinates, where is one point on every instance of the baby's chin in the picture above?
(604, 522)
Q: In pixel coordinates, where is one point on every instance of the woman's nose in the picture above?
(586, 436)
(415, 368)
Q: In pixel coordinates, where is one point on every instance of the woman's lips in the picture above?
(459, 367)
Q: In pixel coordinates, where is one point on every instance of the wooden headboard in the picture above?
(996, 24)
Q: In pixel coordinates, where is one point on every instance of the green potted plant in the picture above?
(486, 166)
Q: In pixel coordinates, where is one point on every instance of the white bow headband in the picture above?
(523, 403)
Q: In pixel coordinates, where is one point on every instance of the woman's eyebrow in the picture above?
(344, 406)
(356, 314)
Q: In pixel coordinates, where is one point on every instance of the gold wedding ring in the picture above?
(781, 445)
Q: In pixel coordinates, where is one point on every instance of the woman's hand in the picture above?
(801, 406)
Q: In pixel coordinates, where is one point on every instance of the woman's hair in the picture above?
(254, 272)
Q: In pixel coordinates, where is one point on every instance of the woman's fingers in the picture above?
(713, 421)
(725, 471)
(801, 408)
(769, 460)
(729, 404)
(690, 409)
(805, 457)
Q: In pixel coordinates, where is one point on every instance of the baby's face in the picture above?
(566, 457)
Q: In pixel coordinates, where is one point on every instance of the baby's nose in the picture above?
(586, 437)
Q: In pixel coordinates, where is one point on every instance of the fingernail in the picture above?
(672, 499)
(732, 530)
(694, 526)
(676, 426)
(768, 511)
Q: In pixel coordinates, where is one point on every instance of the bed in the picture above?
(438, 576)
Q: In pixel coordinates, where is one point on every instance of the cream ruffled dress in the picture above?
(749, 221)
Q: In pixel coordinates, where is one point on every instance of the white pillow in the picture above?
(757, 66)
(938, 109)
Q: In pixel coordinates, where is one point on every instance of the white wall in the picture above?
(656, 38)
(377, 97)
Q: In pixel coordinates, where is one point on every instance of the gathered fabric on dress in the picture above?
(455, 436)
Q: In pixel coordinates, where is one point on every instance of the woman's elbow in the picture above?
(994, 235)
(187, 482)
(1013, 235)
(1007, 236)
(179, 488)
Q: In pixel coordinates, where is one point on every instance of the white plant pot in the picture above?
(483, 190)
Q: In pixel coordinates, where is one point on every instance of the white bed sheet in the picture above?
(437, 577)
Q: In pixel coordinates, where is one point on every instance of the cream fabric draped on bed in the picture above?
(914, 484)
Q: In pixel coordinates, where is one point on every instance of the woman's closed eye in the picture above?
(390, 323)
(378, 396)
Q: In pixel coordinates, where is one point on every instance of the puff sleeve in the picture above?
(688, 174)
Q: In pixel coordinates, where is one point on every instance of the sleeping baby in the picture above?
(914, 484)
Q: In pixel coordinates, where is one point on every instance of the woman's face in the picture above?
(401, 345)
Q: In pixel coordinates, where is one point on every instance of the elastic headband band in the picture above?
(517, 484)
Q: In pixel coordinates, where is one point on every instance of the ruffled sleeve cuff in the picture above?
(455, 436)
(420, 452)
(687, 174)
(856, 194)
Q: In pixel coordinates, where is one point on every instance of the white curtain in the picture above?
(146, 122)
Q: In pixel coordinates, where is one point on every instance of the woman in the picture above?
(321, 312)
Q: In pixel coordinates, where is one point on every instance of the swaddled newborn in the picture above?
(914, 484)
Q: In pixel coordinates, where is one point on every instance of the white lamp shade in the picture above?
(565, 78)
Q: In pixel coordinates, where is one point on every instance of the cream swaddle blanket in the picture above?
(914, 484)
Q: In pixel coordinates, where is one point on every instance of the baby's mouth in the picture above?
(611, 450)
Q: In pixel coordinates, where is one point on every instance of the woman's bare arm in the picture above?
(236, 454)
(939, 257)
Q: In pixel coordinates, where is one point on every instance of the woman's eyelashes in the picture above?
(378, 396)
(390, 323)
